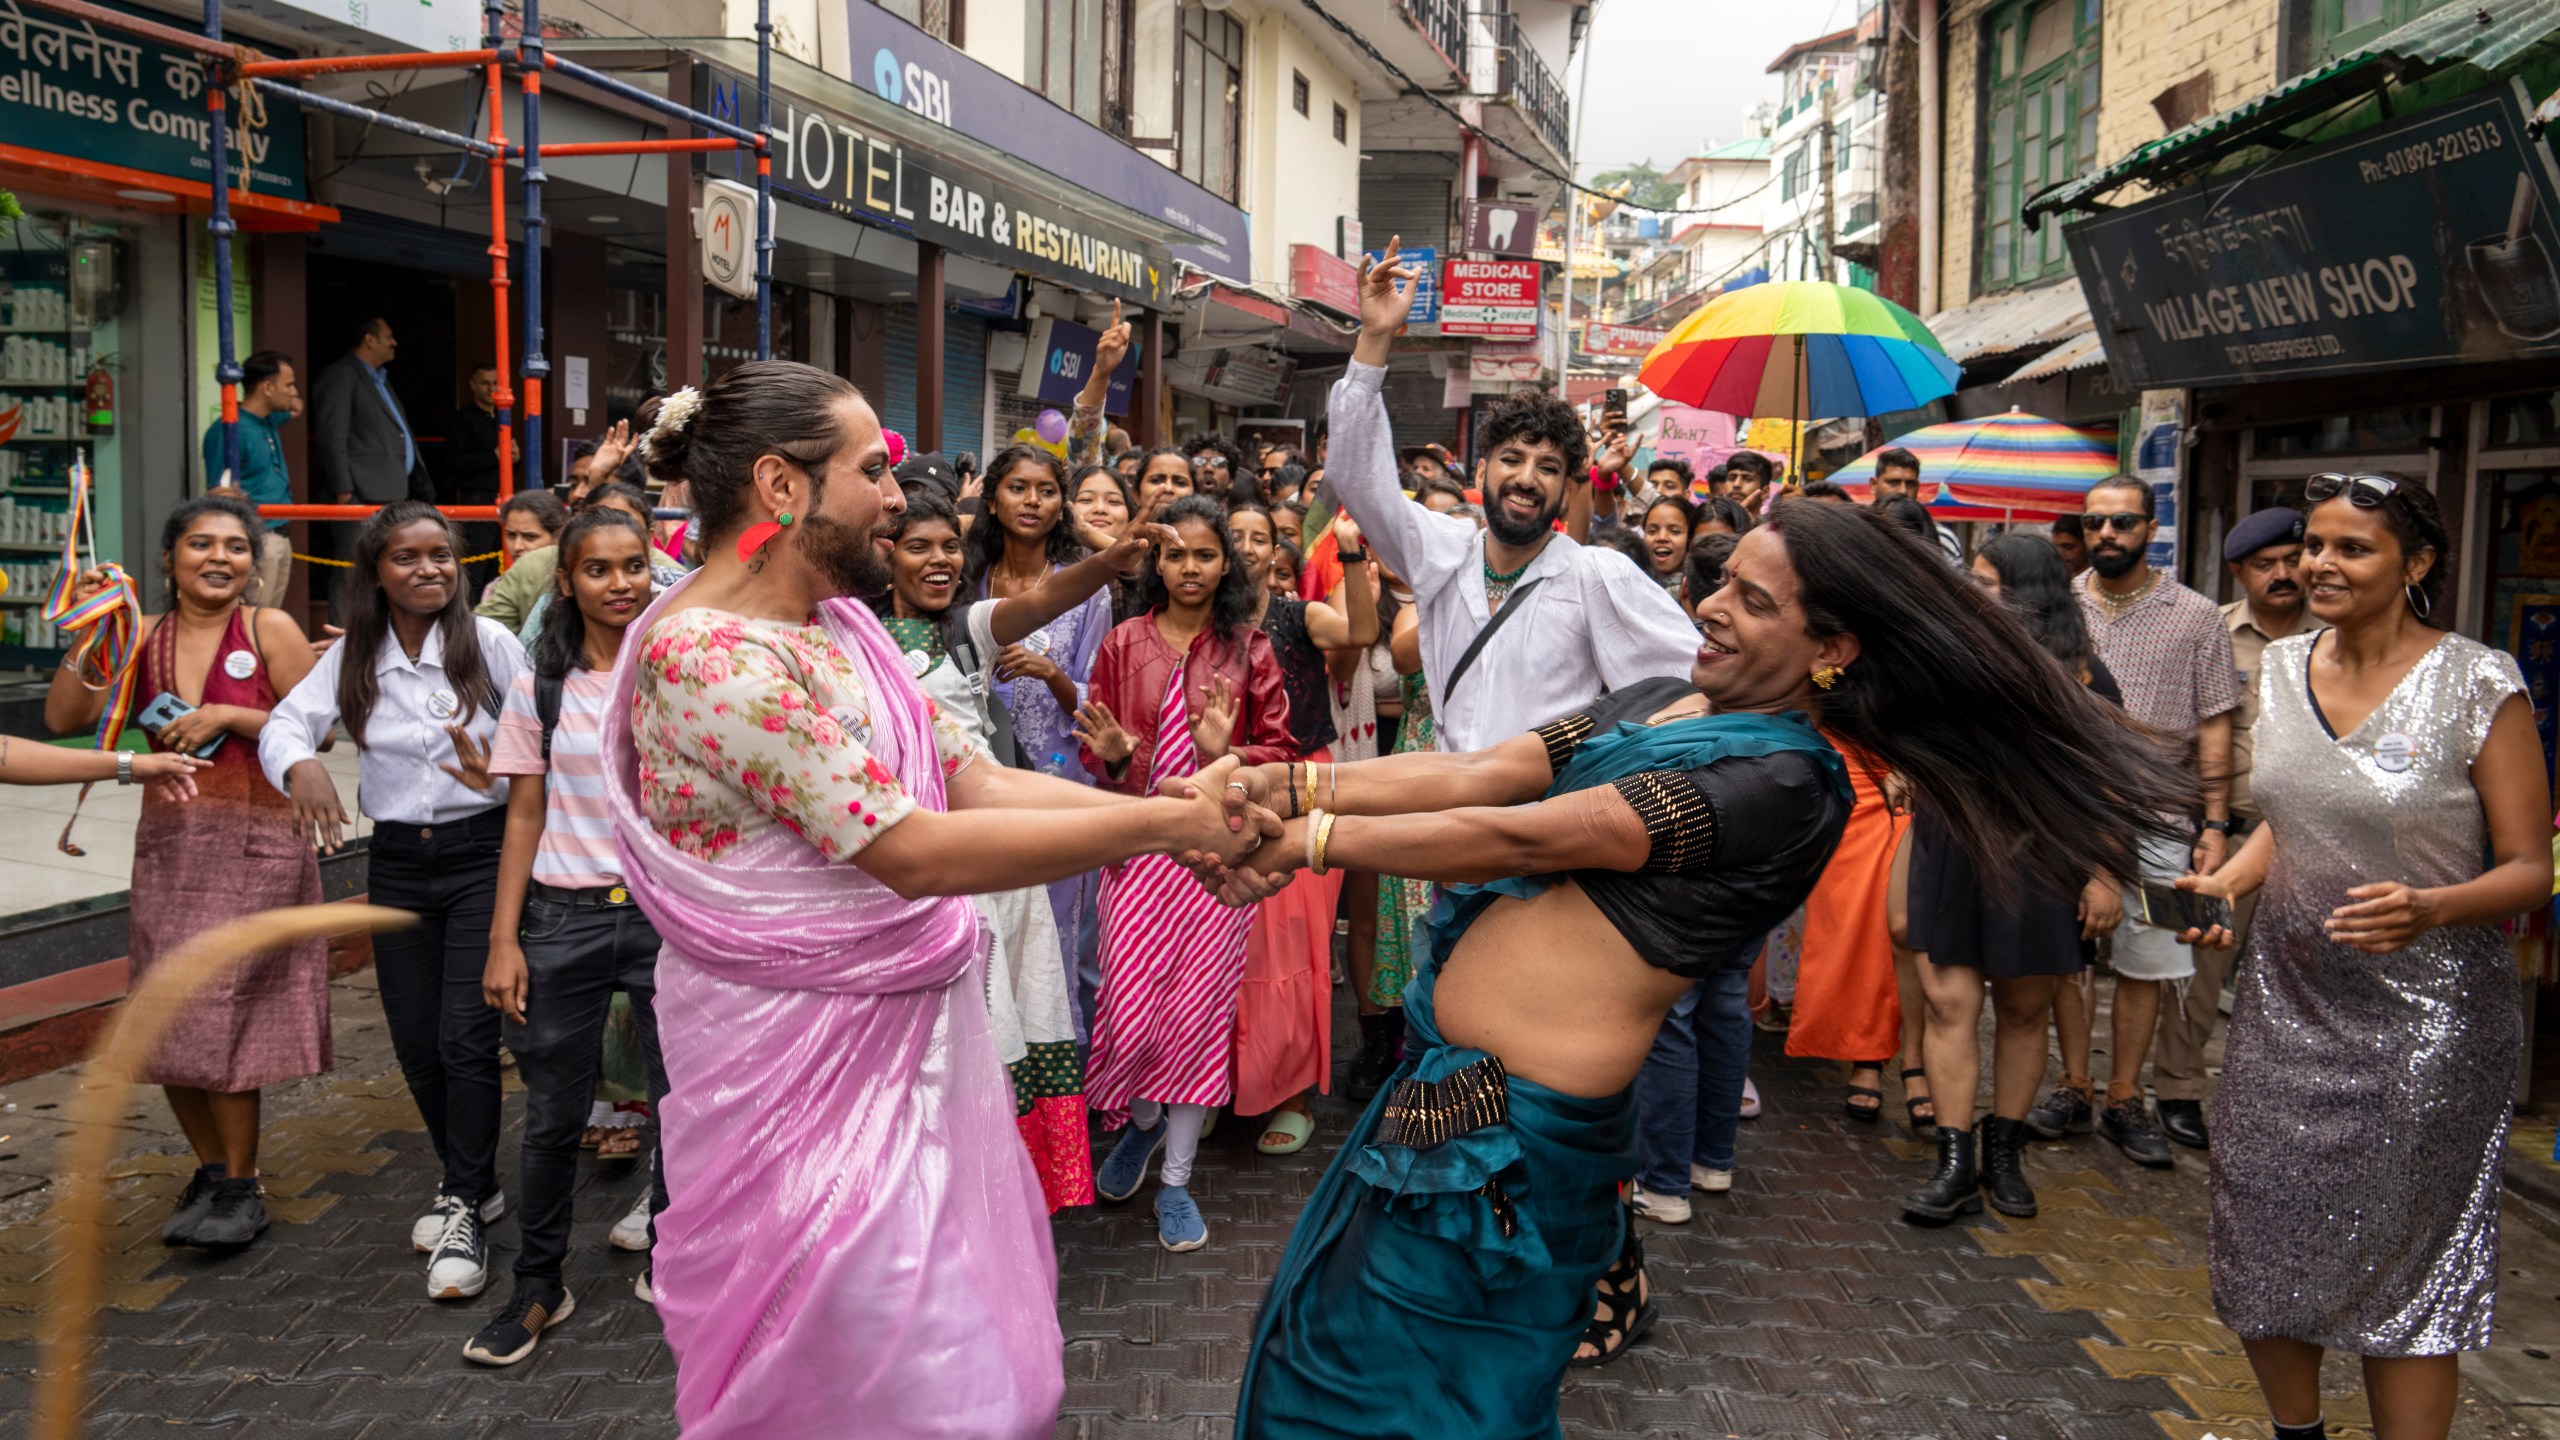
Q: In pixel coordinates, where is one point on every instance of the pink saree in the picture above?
(856, 1242)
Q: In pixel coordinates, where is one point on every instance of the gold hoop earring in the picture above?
(1827, 676)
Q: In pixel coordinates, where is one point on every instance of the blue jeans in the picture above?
(1689, 1094)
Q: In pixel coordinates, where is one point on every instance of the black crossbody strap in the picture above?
(1476, 646)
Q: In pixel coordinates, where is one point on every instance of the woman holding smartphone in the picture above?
(210, 671)
(418, 681)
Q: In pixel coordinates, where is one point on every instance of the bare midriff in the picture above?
(1549, 985)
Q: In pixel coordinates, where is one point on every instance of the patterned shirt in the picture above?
(2171, 653)
(576, 852)
(746, 723)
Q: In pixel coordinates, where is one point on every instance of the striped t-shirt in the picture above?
(577, 826)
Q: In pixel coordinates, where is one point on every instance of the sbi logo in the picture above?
(912, 86)
(1066, 364)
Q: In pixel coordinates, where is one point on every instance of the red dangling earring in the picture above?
(757, 535)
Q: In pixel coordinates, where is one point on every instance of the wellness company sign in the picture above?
(70, 89)
(833, 162)
(2429, 241)
(907, 67)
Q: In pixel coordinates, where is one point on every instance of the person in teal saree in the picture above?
(1443, 1271)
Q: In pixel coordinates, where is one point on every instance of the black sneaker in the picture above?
(2064, 1112)
(236, 1216)
(458, 1268)
(2183, 1121)
(2128, 1123)
(536, 1306)
(193, 1202)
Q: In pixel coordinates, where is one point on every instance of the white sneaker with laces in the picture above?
(430, 1227)
(1661, 1209)
(631, 1232)
(459, 1267)
(1714, 1182)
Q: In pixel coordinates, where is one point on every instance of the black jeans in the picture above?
(429, 974)
(577, 952)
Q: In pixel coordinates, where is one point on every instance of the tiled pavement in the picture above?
(1798, 1306)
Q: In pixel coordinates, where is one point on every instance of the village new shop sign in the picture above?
(2433, 240)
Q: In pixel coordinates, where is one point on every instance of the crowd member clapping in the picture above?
(210, 670)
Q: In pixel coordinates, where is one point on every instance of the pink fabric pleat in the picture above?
(856, 1242)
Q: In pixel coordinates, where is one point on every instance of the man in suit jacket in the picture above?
(360, 437)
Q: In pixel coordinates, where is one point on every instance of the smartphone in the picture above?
(1613, 406)
(2166, 907)
(166, 707)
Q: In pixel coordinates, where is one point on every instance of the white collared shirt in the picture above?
(399, 774)
(1598, 623)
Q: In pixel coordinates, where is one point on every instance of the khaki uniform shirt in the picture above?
(2248, 644)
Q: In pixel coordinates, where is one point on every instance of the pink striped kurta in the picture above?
(1172, 959)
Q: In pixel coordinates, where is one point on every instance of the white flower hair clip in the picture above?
(674, 414)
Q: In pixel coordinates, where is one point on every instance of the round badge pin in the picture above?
(443, 705)
(239, 664)
(2394, 752)
(919, 662)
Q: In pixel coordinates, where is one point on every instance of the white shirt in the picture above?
(1599, 623)
(399, 774)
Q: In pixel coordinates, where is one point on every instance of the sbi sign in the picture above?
(913, 86)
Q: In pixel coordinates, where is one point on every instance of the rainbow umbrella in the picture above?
(2012, 466)
(1800, 349)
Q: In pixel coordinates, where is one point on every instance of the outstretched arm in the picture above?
(973, 851)
(1420, 782)
(1070, 586)
(1593, 829)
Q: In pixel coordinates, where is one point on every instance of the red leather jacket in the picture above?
(1135, 666)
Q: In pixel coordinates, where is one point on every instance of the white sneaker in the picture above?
(1750, 1099)
(1661, 1209)
(631, 1232)
(459, 1268)
(646, 1292)
(1714, 1182)
(430, 1226)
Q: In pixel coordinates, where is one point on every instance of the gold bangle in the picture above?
(1323, 836)
(1312, 822)
(1333, 787)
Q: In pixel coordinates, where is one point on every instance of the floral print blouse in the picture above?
(744, 723)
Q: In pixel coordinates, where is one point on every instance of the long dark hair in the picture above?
(561, 644)
(183, 519)
(927, 506)
(986, 539)
(1231, 605)
(2035, 776)
(763, 407)
(2036, 586)
(368, 620)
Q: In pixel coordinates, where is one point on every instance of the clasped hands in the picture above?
(1248, 853)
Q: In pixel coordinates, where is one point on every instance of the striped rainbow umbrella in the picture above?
(1800, 349)
(2015, 465)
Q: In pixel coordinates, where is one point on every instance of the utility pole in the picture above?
(1830, 173)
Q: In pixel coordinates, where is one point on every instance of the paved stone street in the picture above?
(1798, 1306)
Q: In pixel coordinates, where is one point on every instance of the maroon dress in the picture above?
(228, 853)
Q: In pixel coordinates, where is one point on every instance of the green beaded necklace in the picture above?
(1497, 586)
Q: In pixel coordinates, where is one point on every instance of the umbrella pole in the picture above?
(1795, 421)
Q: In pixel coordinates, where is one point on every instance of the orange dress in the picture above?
(1846, 1007)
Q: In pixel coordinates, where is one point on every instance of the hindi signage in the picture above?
(1599, 339)
(69, 88)
(1316, 275)
(2432, 240)
(1497, 299)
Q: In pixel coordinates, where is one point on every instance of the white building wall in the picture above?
(1298, 180)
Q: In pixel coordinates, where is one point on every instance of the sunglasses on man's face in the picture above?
(2126, 522)
(2365, 492)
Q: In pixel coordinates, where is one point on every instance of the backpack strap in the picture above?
(546, 706)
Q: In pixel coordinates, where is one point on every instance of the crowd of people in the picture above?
(925, 847)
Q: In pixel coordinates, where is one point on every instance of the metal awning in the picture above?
(2077, 353)
(2484, 33)
(2013, 320)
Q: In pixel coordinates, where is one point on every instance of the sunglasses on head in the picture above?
(2365, 492)
(2126, 521)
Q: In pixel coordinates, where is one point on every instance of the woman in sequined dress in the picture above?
(2363, 1107)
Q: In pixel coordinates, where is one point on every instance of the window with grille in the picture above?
(2040, 100)
(1297, 92)
(1071, 53)
(1341, 125)
(2326, 30)
(1208, 84)
(940, 19)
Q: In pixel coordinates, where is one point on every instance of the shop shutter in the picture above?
(1013, 412)
(964, 385)
(898, 396)
(1413, 200)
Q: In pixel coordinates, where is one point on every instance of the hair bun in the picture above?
(669, 431)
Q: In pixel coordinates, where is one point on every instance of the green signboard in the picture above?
(70, 88)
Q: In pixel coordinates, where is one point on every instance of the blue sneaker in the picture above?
(1178, 1222)
(1125, 1169)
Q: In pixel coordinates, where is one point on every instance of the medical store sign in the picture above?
(2433, 240)
(831, 162)
(71, 89)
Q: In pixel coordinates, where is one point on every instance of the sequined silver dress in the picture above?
(2363, 1108)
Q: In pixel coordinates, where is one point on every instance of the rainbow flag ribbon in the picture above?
(109, 628)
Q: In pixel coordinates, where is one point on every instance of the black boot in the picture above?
(1381, 1050)
(1956, 1188)
(2004, 1177)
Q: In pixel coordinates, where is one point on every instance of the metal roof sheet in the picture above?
(2013, 320)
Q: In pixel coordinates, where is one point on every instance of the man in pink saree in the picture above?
(856, 1241)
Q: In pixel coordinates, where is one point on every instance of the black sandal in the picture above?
(1616, 1325)
(1912, 1104)
(1864, 1114)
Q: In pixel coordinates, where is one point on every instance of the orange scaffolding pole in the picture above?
(638, 147)
(499, 285)
(344, 64)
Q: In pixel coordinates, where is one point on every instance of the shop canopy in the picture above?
(2465, 31)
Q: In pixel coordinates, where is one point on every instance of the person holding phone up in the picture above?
(211, 668)
(2362, 1114)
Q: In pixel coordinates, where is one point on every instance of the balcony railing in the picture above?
(1505, 65)
(1444, 24)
